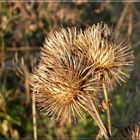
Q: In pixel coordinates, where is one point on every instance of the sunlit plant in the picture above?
(74, 65)
(111, 55)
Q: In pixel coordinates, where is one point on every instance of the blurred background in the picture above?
(23, 28)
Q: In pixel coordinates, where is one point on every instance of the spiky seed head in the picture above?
(64, 78)
(111, 54)
(131, 132)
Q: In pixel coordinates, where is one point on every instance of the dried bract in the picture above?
(111, 54)
(131, 132)
(64, 79)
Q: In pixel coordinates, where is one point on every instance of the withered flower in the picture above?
(65, 81)
(111, 54)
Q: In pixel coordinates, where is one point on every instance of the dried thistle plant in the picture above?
(131, 132)
(111, 55)
(64, 82)
(73, 65)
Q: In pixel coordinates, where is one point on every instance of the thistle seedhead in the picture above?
(64, 79)
(111, 54)
(131, 132)
(73, 65)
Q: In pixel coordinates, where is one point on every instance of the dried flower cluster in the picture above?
(73, 65)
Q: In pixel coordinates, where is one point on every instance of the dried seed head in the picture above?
(64, 78)
(131, 132)
(111, 55)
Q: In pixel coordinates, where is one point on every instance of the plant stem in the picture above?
(95, 115)
(108, 109)
(34, 116)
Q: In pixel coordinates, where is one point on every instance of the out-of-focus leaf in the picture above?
(2, 103)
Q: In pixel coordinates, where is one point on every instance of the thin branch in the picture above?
(122, 16)
(130, 17)
(2, 55)
(108, 108)
(95, 115)
(27, 87)
(20, 49)
(34, 116)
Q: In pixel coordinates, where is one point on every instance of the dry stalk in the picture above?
(95, 115)
(122, 16)
(27, 86)
(2, 55)
(34, 116)
(23, 72)
(19, 49)
(108, 108)
(130, 21)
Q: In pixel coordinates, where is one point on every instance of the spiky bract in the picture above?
(131, 132)
(64, 78)
(111, 54)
